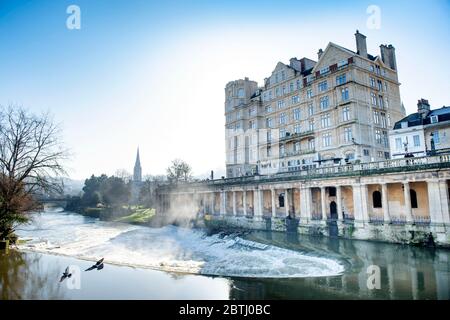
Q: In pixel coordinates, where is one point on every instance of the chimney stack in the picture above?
(388, 56)
(319, 54)
(361, 45)
(423, 107)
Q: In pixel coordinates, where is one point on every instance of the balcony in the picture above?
(297, 153)
(297, 136)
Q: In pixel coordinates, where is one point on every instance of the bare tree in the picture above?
(123, 174)
(31, 155)
(179, 171)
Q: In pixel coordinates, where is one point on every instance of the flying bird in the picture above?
(98, 265)
(65, 275)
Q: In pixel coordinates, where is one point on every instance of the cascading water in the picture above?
(169, 248)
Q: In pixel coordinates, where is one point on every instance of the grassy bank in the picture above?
(139, 215)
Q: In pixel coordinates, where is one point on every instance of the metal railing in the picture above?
(359, 169)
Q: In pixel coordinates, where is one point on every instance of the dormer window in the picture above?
(404, 124)
(434, 119)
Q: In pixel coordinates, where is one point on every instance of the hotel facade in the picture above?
(308, 113)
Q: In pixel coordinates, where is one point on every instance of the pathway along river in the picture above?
(179, 263)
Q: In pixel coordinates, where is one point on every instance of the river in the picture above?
(179, 263)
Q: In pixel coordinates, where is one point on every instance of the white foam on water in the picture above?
(170, 248)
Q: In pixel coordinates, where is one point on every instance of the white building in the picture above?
(425, 132)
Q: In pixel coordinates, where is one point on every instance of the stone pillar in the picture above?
(223, 202)
(407, 197)
(257, 205)
(244, 202)
(234, 203)
(213, 202)
(305, 204)
(360, 203)
(443, 191)
(274, 204)
(339, 203)
(438, 201)
(385, 203)
(286, 202)
(323, 203)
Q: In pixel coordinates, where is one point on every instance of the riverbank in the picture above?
(269, 265)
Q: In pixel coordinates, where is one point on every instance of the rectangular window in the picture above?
(376, 117)
(416, 140)
(346, 114)
(309, 93)
(280, 104)
(372, 82)
(381, 101)
(344, 94)
(383, 120)
(310, 109)
(378, 137)
(348, 134)
(269, 151)
(341, 79)
(311, 125)
(282, 132)
(297, 146)
(282, 149)
(269, 136)
(277, 92)
(373, 97)
(269, 122)
(295, 99)
(252, 111)
(284, 89)
(297, 114)
(311, 144)
(297, 128)
(366, 152)
(380, 85)
(268, 108)
(434, 119)
(436, 137)
(324, 102)
(323, 86)
(325, 120)
(326, 139)
(298, 84)
(283, 118)
(398, 143)
(291, 87)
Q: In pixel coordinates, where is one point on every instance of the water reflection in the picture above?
(26, 276)
(406, 272)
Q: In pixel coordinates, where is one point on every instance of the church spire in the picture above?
(137, 173)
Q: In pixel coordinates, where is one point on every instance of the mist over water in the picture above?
(169, 248)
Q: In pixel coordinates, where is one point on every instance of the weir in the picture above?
(399, 200)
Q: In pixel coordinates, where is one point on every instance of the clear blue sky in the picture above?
(152, 73)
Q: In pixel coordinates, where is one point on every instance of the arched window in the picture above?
(413, 195)
(281, 200)
(376, 198)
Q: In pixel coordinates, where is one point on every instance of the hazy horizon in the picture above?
(152, 75)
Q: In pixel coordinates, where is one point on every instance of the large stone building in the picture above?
(308, 114)
(426, 132)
